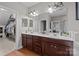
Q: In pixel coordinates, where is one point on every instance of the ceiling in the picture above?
(4, 17)
(18, 5)
(29, 4)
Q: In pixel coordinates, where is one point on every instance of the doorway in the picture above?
(7, 31)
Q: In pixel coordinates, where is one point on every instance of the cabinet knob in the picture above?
(53, 46)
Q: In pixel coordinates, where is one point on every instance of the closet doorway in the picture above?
(10, 28)
(7, 31)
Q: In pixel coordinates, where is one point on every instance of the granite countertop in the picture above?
(51, 36)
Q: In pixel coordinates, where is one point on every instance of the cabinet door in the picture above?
(37, 41)
(37, 49)
(37, 46)
(53, 49)
(29, 42)
(24, 22)
(24, 41)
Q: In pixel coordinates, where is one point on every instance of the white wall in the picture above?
(19, 17)
(73, 24)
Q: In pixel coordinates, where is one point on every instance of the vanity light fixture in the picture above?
(33, 13)
(55, 6)
(58, 4)
(50, 9)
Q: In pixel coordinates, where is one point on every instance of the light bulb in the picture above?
(2, 9)
(50, 10)
(34, 12)
(31, 14)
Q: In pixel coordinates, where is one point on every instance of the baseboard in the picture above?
(17, 48)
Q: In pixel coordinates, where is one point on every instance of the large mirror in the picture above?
(43, 25)
(24, 22)
(57, 24)
(30, 23)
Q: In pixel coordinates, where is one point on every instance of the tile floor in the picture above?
(6, 46)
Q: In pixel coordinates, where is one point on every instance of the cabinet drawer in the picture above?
(55, 45)
(55, 49)
(37, 49)
(29, 36)
(36, 41)
(36, 38)
(23, 36)
(61, 42)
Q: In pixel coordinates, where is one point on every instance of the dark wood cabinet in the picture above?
(37, 44)
(51, 48)
(24, 40)
(37, 49)
(37, 41)
(48, 46)
(29, 42)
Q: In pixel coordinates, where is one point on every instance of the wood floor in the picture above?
(22, 52)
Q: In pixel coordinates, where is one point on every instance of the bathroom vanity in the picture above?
(46, 45)
(48, 39)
